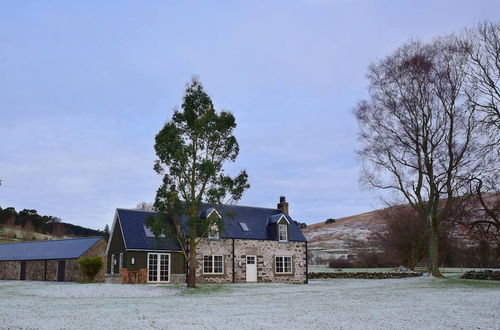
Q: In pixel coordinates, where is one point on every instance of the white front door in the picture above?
(251, 269)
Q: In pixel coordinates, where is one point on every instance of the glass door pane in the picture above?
(152, 267)
(163, 267)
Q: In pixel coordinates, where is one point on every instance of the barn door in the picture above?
(61, 267)
(22, 276)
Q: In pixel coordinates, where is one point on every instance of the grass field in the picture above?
(413, 303)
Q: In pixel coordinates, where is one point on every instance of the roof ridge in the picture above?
(52, 240)
(129, 209)
(254, 207)
(223, 205)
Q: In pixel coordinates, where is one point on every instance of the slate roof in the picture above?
(260, 222)
(132, 225)
(39, 250)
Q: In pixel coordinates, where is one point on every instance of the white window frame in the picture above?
(280, 227)
(283, 261)
(120, 264)
(212, 257)
(213, 229)
(158, 267)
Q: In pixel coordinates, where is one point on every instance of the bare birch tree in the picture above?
(418, 132)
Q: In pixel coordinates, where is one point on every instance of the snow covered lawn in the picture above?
(411, 303)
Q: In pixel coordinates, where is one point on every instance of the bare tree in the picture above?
(482, 45)
(418, 131)
(145, 206)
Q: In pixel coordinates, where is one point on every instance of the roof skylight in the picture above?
(149, 233)
(244, 226)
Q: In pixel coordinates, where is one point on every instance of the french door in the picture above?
(158, 267)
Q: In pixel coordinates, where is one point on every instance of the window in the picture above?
(158, 267)
(213, 264)
(283, 232)
(149, 233)
(213, 233)
(283, 265)
(121, 261)
(112, 266)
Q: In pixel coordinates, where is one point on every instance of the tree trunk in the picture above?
(192, 265)
(433, 265)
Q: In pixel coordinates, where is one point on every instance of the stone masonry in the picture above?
(264, 250)
(10, 270)
(46, 270)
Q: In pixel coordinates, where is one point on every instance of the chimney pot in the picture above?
(283, 205)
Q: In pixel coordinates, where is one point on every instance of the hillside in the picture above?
(343, 237)
(28, 225)
(353, 234)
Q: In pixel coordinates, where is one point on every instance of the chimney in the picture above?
(283, 205)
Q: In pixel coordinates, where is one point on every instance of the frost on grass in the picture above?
(422, 303)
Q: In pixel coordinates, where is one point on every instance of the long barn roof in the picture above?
(40, 250)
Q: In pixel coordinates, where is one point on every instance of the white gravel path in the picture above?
(415, 303)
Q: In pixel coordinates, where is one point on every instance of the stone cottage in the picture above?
(256, 245)
(55, 260)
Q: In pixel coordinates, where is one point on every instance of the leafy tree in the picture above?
(192, 149)
(90, 267)
(8, 215)
(106, 232)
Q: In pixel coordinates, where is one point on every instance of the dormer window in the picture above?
(282, 232)
(213, 233)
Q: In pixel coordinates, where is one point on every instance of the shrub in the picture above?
(90, 267)
(330, 220)
(341, 263)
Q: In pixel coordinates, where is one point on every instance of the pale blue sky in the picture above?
(85, 86)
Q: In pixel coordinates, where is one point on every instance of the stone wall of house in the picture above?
(51, 270)
(10, 270)
(266, 251)
(113, 279)
(98, 249)
(35, 270)
(223, 247)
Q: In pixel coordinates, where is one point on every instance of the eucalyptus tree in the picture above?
(192, 149)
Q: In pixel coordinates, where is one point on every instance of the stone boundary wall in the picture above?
(482, 275)
(361, 275)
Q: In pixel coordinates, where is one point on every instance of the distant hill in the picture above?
(27, 225)
(343, 237)
(347, 236)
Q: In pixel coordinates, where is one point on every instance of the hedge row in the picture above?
(482, 275)
(366, 275)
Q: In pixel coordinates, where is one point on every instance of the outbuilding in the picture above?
(55, 260)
